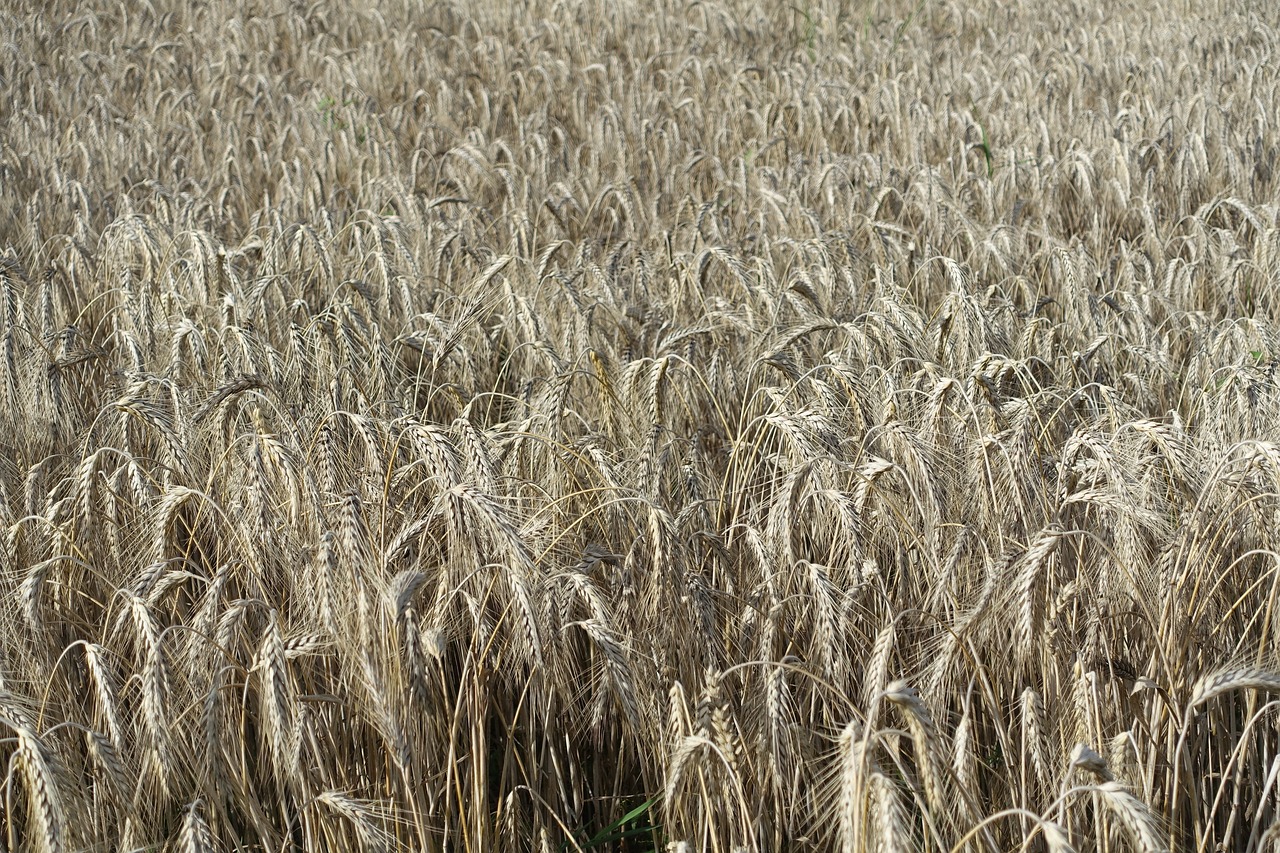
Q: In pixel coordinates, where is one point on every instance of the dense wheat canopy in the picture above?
(639, 426)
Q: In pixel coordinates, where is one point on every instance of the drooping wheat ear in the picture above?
(726, 737)
(9, 307)
(326, 579)
(826, 634)
(708, 700)
(1135, 816)
(30, 594)
(938, 680)
(352, 539)
(281, 462)
(1056, 837)
(401, 590)
(199, 644)
(403, 546)
(851, 789)
(868, 473)
(877, 672)
(371, 436)
(1225, 680)
(155, 692)
(155, 688)
(1085, 697)
(1033, 734)
(107, 758)
(527, 615)
(42, 792)
(1270, 838)
(927, 743)
(779, 712)
(86, 479)
(1031, 598)
(12, 708)
(277, 697)
(654, 396)
(416, 652)
(682, 759)
(302, 645)
(162, 423)
(479, 460)
(433, 445)
(998, 577)
(1122, 755)
(585, 588)
(226, 391)
(165, 520)
(360, 814)
(195, 836)
(217, 743)
(104, 689)
(678, 722)
(383, 714)
(512, 823)
(229, 624)
(326, 453)
(962, 763)
(618, 666)
(1088, 759)
(892, 834)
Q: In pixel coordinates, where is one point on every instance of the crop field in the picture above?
(690, 425)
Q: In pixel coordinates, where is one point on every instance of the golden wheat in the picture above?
(455, 426)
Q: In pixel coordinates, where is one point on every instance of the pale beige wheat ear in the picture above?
(851, 788)
(1034, 734)
(1056, 837)
(892, 833)
(617, 666)
(278, 701)
(195, 836)
(371, 835)
(877, 672)
(1031, 599)
(1088, 759)
(962, 762)
(1223, 681)
(105, 756)
(46, 818)
(683, 760)
(1136, 817)
(927, 745)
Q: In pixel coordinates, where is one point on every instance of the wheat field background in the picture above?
(685, 426)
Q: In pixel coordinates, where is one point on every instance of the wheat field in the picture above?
(697, 425)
